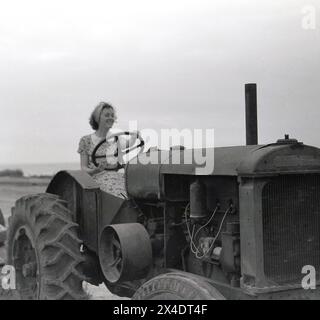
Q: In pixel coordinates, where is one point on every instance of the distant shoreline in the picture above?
(25, 181)
(17, 176)
(36, 170)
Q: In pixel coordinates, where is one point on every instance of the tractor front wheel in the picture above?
(44, 249)
(176, 286)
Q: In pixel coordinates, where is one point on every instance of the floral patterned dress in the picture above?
(110, 181)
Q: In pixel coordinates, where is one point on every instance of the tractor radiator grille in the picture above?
(291, 226)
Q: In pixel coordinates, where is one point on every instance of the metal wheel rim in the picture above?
(114, 258)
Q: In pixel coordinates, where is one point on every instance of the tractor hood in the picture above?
(144, 174)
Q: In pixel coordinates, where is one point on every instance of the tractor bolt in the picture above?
(29, 269)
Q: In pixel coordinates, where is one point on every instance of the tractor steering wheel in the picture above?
(119, 153)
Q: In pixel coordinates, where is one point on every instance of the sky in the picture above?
(166, 64)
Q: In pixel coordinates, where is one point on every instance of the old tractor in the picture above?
(245, 231)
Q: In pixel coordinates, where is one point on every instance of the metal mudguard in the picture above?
(83, 179)
(92, 208)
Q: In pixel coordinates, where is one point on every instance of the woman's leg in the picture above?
(111, 182)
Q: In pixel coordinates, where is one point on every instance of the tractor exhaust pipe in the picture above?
(251, 114)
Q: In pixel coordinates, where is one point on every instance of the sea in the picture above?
(38, 169)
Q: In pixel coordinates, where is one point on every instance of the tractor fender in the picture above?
(83, 179)
(82, 195)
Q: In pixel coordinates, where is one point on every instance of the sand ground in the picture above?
(12, 189)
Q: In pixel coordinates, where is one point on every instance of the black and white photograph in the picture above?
(160, 150)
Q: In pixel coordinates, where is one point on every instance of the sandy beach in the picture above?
(11, 189)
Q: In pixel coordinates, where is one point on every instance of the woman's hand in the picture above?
(133, 138)
(137, 133)
(104, 165)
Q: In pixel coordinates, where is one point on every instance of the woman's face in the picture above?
(107, 118)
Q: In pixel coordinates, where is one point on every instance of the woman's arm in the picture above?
(103, 165)
(84, 162)
(83, 149)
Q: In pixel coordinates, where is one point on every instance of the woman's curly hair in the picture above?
(96, 113)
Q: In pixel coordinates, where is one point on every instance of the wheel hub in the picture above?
(29, 269)
(26, 266)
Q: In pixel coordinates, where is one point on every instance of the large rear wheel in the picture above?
(176, 286)
(44, 248)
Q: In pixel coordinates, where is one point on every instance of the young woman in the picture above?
(106, 174)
